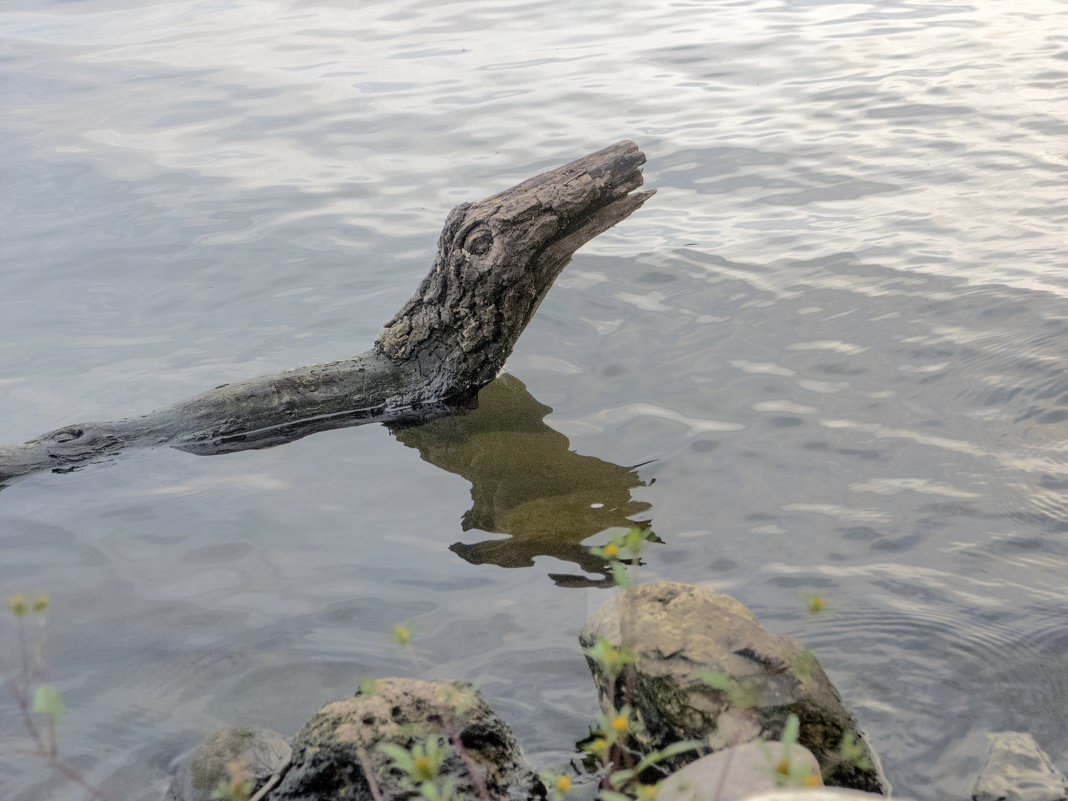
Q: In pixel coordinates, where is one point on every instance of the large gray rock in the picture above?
(740, 771)
(335, 748)
(1018, 770)
(254, 754)
(683, 637)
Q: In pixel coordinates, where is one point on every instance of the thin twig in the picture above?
(472, 769)
(72, 775)
(270, 784)
(44, 674)
(372, 782)
(21, 696)
(47, 750)
(24, 656)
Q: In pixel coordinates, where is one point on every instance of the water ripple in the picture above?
(843, 345)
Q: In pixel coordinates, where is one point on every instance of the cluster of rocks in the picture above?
(698, 667)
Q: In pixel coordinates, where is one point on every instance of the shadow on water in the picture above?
(526, 483)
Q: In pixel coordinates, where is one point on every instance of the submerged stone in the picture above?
(1018, 770)
(227, 755)
(705, 669)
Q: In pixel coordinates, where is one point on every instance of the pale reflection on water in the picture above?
(834, 342)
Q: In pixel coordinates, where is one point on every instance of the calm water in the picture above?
(836, 342)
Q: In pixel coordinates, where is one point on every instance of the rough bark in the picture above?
(496, 260)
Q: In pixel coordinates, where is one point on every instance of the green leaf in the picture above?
(717, 681)
(854, 752)
(789, 735)
(633, 540)
(401, 757)
(612, 795)
(47, 699)
(680, 747)
(791, 729)
(664, 753)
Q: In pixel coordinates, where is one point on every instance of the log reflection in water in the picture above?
(527, 483)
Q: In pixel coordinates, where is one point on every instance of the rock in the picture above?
(255, 754)
(815, 794)
(1018, 770)
(333, 751)
(705, 669)
(739, 772)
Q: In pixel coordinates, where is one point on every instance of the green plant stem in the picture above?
(21, 696)
(72, 775)
(24, 658)
(472, 769)
(45, 675)
(372, 782)
(45, 749)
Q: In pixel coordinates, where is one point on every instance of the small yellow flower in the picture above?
(620, 723)
(611, 550)
(598, 746)
(17, 605)
(424, 767)
(563, 783)
(401, 635)
(815, 604)
(812, 780)
(783, 767)
(40, 603)
(646, 792)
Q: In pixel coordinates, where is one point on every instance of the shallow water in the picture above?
(836, 343)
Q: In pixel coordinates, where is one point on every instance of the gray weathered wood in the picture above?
(496, 260)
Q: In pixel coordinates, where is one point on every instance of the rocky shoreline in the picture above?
(699, 702)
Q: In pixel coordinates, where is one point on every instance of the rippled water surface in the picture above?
(835, 345)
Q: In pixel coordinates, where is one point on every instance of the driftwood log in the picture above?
(496, 261)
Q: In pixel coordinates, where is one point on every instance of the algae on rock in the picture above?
(705, 669)
(335, 749)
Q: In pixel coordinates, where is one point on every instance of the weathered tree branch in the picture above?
(496, 260)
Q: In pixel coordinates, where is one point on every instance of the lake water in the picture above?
(836, 343)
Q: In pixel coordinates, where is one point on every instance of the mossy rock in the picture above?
(336, 749)
(705, 669)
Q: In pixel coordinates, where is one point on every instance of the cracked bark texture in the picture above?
(495, 262)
